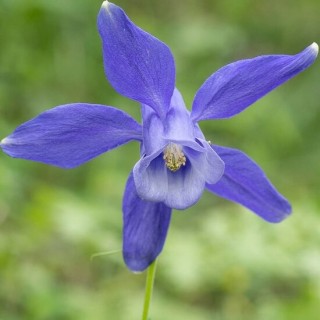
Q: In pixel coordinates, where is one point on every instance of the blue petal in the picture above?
(176, 127)
(177, 100)
(150, 176)
(145, 229)
(236, 86)
(208, 164)
(153, 131)
(180, 189)
(138, 65)
(185, 187)
(69, 135)
(244, 182)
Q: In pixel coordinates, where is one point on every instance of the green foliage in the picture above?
(220, 261)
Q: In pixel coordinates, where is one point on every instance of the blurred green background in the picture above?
(220, 260)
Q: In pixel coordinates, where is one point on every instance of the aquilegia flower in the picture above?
(177, 163)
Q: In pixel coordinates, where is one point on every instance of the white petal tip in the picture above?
(3, 141)
(6, 141)
(315, 48)
(105, 4)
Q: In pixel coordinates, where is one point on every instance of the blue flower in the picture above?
(177, 163)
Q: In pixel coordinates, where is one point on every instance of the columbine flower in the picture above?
(177, 163)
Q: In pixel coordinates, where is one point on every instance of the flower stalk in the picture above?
(149, 289)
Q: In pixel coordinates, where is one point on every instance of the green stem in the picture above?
(149, 288)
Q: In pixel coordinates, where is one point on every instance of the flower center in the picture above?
(174, 157)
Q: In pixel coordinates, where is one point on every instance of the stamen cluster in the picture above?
(174, 157)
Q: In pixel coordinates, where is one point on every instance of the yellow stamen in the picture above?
(174, 157)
